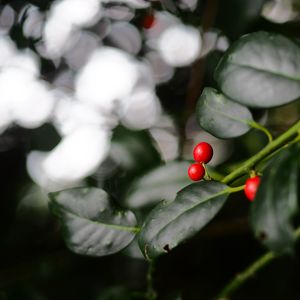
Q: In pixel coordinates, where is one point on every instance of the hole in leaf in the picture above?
(167, 248)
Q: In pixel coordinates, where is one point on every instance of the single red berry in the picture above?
(148, 21)
(203, 152)
(196, 172)
(251, 187)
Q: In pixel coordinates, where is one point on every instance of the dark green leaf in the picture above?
(133, 250)
(159, 184)
(172, 222)
(92, 224)
(276, 202)
(220, 116)
(261, 70)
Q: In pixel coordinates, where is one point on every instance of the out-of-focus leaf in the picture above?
(281, 11)
(275, 204)
(162, 183)
(261, 70)
(92, 224)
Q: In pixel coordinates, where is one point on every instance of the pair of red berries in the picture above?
(203, 153)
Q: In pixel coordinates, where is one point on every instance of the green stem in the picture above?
(249, 272)
(261, 165)
(265, 153)
(151, 293)
(297, 233)
(236, 189)
(274, 145)
(261, 128)
(242, 277)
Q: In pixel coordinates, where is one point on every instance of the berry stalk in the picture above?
(270, 148)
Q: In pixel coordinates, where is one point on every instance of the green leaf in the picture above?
(261, 70)
(276, 202)
(172, 222)
(133, 250)
(159, 184)
(222, 117)
(92, 225)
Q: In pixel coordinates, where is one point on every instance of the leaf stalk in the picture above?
(276, 144)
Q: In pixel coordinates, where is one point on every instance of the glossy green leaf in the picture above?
(261, 70)
(133, 250)
(162, 183)
(220, 116)
(92, 225)
(276, 202)
(172, 222)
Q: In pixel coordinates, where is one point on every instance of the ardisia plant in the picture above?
(260, 70)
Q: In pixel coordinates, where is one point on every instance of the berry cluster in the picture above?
(202, 153)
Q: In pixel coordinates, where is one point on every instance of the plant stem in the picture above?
(274, 145)
(236, 189)
(264, 260)
(242, 277)
(151, 293)
(297, 233)
(261, 165)
(249, 272)
(261, 128)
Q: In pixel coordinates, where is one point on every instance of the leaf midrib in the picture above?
(112, 226)
(266, 71)
(243, 121)
(186, 211)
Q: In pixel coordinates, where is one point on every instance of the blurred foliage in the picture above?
(36, 265)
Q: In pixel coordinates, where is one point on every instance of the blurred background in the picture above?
(103, 93)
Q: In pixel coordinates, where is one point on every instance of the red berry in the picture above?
(251, 187)
(148, 21)
(203, 152)
(196, 172)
